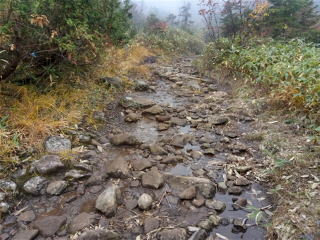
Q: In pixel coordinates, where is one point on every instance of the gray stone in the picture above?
(112, 82)
(178, 121)
(214, 219)
(56, 187)
(124, 139)
(117, 168)
(206, 225)
(76, 174)
(141, 85)
(235, 190)
(8, 186)
(179, 183)
(99, 234)
(219, 120)
(240, 203)
(57, 144)
(179, 141)
(132, 117)
(4, 207)
(26, 234)
(241, 181)
(82, 221)
(154, 110)
(222, 186)
(141, 164)
(145, 201)
(49, 226)
(207, 190)
(173, 234)
(107, 200)
(151, 223)
(152, 179)
(172, 159)
(48, 164)
(216, 205)
(27, 216)
(85, 139)
(188, 194)
(156, 149)
(35, 185)
(136, 102)
(199, 235)
(2, 196)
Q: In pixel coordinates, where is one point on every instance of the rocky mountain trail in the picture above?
(171, 162)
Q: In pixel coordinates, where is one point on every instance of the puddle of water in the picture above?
(146, 131)
(181, 170)
(253, 233)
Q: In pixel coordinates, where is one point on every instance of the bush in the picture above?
(289, 69)
(43, 33)
(174, 40)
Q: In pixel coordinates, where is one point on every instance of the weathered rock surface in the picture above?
(124, 139)
(154, 110)
(26, 234)
(179, 183)
(57, 144)
(99, 234)
(117, 168)
(141, 164)
(152, 179)
(145, 201)
(107, 200)
(136, 102)
(8, 186)
(82, 221)
(35, 185)
(188, 194)
(173, 234)
(216, 205)
(56, 187)
(48, 164)
(50, 225)
(151, 223)
(27, 216)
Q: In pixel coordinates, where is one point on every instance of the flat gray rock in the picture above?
(82, 221)
(26, 234)
(49, 226)
(107, 200)
(48, 164)
(57, 144)
(35, 185)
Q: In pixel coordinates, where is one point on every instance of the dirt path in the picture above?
(172, 162)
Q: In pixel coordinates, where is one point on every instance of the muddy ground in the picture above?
(179, 141)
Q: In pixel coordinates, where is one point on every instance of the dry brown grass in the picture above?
(28, 115)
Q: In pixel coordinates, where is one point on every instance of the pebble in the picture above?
(145, 201)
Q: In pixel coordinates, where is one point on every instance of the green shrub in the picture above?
(43, 33)
(174, 40)
(289, 69)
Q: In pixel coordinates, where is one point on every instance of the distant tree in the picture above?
(185, 16)
(172, 19)
(210, 14)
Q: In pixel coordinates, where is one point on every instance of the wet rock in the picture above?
(206, 225)
(222, 186)
(56, 187)
(35, 185)
(99, 234)
(188, 194)
(48, 164)
(107, 200)
(151, 224)
(76, 174)
(141, 85)
(179, 141)
(156, 149)
(48, 226)
(26, 234)
(112, 82)
(235, 190)
(199, 235)
(132, 117)
(2, 196)
(209, 151)
(136, 102)
(219, 120)
(207, 190)
(163, 126)
(172, 159)
(154, 110)
(82, 221)
(214, 219)
(178, 121)
(239, 225)
(224, 221)
(240, 203)
(117, 168)
(27, 216)
(216, 205)
(163, 118)
(124, 139)
(83, 166)
(242, 181)
(4, 207)
(8, 186)
(85, 139)
(172, 234)
(198, 202)
(145, 201)
(57, 144)
(196, 155)
(152, 179)
(141, 164)
(179, 183)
